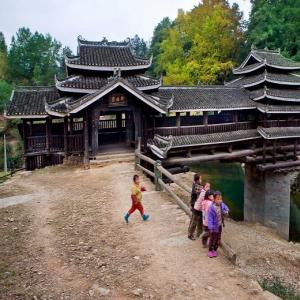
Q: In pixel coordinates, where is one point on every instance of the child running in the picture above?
(215, 217)
(196, 219)
(136, 197)
(208, 200)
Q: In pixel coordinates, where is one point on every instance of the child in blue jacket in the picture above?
(215, 216)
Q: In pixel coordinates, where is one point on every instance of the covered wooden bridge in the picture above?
(108, 99)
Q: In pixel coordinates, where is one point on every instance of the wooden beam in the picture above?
(278, 165)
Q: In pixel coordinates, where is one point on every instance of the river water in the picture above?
(229, 179)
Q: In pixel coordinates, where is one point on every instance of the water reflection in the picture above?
(229, 179)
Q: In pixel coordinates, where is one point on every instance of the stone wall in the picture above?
(267, 198)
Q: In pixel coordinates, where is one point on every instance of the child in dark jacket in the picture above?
(196, 189)
(215, 217)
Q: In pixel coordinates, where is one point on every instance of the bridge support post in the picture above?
(157, 175)
(267, 198)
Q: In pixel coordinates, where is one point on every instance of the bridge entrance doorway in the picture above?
(116, 131)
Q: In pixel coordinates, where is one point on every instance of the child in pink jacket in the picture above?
(208, 200)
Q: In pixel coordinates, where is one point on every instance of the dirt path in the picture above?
(71, 243)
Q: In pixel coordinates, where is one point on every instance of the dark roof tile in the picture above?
(30, 101)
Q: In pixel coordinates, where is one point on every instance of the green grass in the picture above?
(275, 286)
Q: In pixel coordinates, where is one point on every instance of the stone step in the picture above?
(102, 160)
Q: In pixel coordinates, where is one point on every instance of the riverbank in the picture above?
(261, 253)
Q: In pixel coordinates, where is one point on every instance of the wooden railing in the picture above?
(75, 143)
(107, 124)
(202, 129)
(280, 123)
(77, 126)
(56, 143)
(35, 144)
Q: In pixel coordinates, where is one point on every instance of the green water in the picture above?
(227, 178)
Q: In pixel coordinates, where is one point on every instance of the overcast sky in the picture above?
(93, 19)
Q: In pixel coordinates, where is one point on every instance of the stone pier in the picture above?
(267, 198)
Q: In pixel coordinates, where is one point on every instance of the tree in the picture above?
(202, 45)
(159, 35)
(139, 46)
(33, 58)
(5, 92)
(3, 57)
(275, 24)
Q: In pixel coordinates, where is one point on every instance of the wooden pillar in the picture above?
(48, 133)
(274, 152)
(24, 135)
(177, 119)
(235, 117)
(137, 124)
(66, 136)
(264, 152)
(71, 125)
(119, 120)
(205, 118)
(128, 126)
(95, 130)
(119, 124)
(295, 149)
(30, 127)
(86, 160)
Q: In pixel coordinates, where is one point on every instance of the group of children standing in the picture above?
(208, 211)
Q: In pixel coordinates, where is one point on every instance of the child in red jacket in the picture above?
(136, 198)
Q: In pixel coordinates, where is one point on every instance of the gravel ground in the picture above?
(70, 242)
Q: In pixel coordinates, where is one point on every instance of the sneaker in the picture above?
(215, 253)
(191, 238)
(210, 254)
(126, 218)
(146, 217)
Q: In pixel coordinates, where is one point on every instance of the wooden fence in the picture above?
(157, 175)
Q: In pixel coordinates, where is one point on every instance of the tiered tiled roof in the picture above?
(266, 77)
(266, 58)
(106, 56)
(29, 102)
(91, 84)
(207, 98)
(270, 77)
(160, 146)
